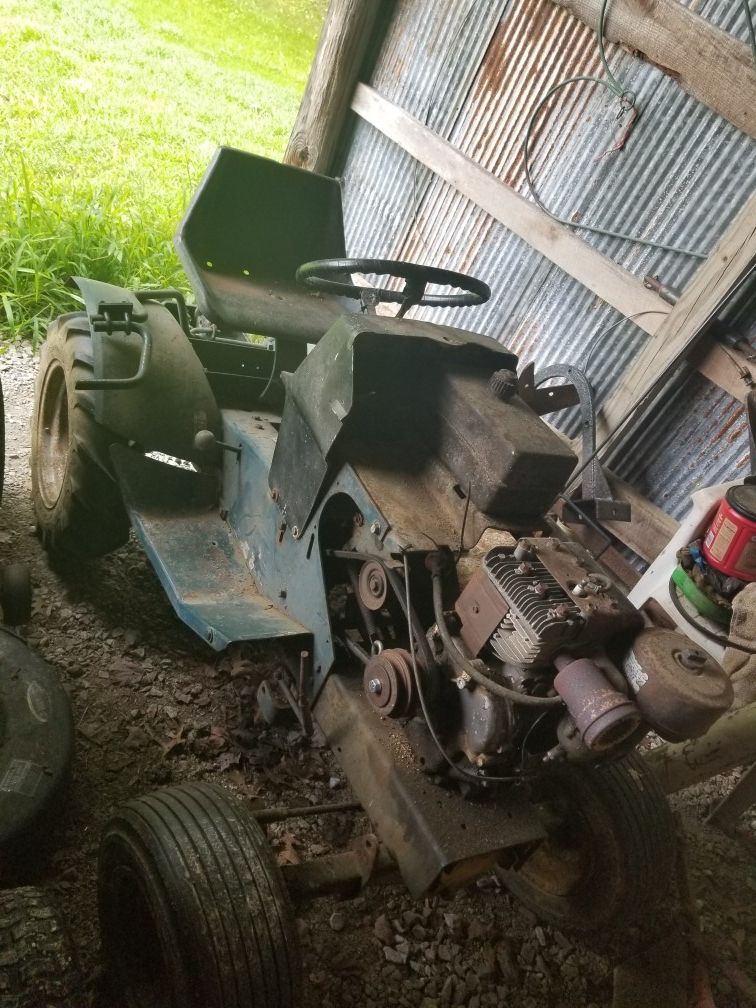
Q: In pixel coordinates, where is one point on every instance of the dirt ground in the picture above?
(154, 705)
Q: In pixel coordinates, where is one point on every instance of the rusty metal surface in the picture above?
(434, 835)
(474, 73)
(680, 690)
(481, 608)
(387, 679)
(603, 716)
(372, 585)
(343, 874)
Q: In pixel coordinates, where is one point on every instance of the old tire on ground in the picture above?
(194, 911)
(36, 745)
(610, 855)
(15, 594)
(38, 968)
(76, 499)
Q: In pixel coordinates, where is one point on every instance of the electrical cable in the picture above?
(462, 664)
(477, 778)
(716, 638)
(593, 345)
(627, 101)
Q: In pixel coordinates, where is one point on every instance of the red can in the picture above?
(729, 545)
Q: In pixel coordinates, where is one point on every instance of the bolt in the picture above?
(375, 528)
(522, 550)
(692, 659)
(524, 568)
(375, 585)
(274, 494)
(375, 686)
(358, 520)
(295, 531)
(540, 588)
(209, 636)
(559, 612)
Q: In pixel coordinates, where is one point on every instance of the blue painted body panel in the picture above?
(237, 577)
(196, 555)
(289, 571)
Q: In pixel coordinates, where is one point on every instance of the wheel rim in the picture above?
(573, 876)
(52, 436)
(143, 975)
(562, 863)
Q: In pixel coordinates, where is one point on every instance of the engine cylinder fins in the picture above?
(372, 585)
(516, 605)
(680, 689)
(604, 717)
(389, 683)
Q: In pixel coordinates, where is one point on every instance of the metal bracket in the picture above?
(595, 503)
(543, 401)
(111, 318)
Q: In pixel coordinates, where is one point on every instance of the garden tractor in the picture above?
(373, 492)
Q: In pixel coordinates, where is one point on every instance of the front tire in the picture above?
(609, 858)
(37, 963)
(193, 908)
(76, 500)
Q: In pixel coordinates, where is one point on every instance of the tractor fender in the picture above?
(173, 401)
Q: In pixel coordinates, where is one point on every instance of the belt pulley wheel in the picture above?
(372, 585)
(389, 683)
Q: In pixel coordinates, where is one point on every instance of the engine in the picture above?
(539, 658)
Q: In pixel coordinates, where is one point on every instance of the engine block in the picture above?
(532, 601)
(540, 618)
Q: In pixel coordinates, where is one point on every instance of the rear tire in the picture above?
(37, 964)
(76, 499)
(610, 859)
(194, 911)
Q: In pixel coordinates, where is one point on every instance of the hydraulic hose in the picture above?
(462, 664)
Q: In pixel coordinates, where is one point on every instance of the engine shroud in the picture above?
(531, 601)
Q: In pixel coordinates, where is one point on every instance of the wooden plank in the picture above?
(650, 529)
(708, 63)
(344, 40)
(729, 369)
(679, 332)
(613, 284)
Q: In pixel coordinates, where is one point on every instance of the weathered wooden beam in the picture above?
(650, 529)
(681, 330)
(708, 63)
(344, 40)
(614, 285)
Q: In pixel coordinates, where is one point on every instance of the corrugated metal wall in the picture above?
(474, 72)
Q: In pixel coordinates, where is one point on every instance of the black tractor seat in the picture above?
(251, 223)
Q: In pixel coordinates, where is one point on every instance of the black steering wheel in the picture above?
(316, 275)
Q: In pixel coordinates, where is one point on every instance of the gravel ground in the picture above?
(153, 705)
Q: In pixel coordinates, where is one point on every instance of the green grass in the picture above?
(109, 112)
